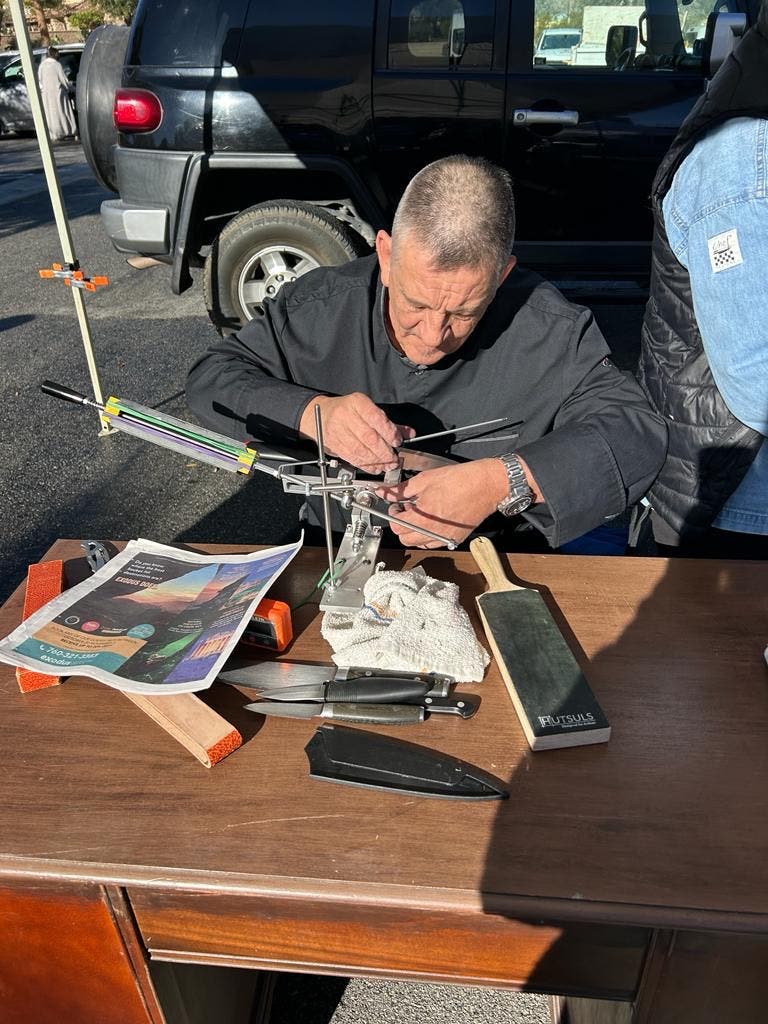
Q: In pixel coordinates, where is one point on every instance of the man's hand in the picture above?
(450, 501)
(356, 430)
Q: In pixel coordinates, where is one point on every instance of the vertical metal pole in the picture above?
(326, 498)
(54, 189)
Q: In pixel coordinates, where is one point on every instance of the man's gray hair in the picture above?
(461, 209)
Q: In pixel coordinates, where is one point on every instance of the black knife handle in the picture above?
(376, 689)
(375, 714)
(463, 704)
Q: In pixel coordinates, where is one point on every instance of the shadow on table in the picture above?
(620, 823)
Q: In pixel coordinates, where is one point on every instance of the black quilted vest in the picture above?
(710, 450)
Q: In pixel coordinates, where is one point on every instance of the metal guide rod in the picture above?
(460, 430)
(54, 189)
(326, 499)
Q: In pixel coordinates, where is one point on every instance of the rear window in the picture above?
(177, 33)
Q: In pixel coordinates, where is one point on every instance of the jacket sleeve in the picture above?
(605, 448)
(243, 385)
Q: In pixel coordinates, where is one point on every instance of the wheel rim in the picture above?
(267, 271)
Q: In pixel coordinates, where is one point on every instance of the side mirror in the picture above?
(722, 34)
(456, 47)
(620, 44)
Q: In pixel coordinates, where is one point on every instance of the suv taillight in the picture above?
(136, 110)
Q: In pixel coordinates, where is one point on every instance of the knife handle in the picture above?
(375, 714)
(375, 689)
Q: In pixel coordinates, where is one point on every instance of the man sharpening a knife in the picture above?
(437, 330)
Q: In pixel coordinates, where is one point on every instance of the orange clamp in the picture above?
(73, 277)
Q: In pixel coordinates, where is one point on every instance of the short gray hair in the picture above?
(462, 211)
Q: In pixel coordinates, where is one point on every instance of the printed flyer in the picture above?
(154, 619)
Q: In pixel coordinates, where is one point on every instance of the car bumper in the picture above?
(150, 184)
(136, 229)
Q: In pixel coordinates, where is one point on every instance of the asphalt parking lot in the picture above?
(60, 479)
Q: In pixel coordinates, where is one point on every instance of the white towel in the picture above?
(408, 621)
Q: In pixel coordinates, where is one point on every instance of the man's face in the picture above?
(431, 311)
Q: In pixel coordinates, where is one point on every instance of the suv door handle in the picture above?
(562, 117)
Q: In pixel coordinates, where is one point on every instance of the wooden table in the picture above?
(635, 871)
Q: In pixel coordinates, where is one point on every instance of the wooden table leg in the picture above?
(704, 978)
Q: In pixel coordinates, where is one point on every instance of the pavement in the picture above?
(59, 478)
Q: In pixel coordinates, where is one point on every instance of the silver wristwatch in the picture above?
(520, 494)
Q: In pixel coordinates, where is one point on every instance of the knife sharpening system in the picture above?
(355, 560)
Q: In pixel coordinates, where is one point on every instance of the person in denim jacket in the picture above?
(704, 358)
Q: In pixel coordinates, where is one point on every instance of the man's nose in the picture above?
(433, 326)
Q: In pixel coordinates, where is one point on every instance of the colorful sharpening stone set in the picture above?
(180, 436)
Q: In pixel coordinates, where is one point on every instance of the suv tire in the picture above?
(100, 74)
(263, 248)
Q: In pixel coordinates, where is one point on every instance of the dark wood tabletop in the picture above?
(664, 826)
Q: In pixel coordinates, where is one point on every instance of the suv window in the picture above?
(175, 33)
(441, 34)
(658, 35)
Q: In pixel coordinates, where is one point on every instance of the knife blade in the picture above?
(364, 714)
(415, 461)
(270, 677)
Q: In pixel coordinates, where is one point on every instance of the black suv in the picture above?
(262, 144)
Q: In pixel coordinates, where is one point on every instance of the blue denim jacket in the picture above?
(716, 217)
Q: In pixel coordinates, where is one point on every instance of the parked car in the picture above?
(7, 56)
(260, 142)
(556, 45)
(15, 111)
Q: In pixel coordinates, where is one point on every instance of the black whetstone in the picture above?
(551, 695)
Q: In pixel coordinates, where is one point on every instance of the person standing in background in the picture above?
(704, 352)
(54, 87)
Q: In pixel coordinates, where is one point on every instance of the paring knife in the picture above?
(272, 677)
(464, 705)
(363, 714)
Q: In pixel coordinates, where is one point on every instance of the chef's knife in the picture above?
(463, 704)
(373, 690)
(271, 677)
(366, 714)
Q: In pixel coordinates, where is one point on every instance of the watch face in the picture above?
(517, 505)
(514, 506)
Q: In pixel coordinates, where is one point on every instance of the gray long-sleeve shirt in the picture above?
(587, 433)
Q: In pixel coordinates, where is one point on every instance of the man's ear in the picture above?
(384, 253)
(508, 269)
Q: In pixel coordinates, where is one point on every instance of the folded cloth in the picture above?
(408, 621)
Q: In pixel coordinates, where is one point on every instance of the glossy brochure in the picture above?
(153, 620)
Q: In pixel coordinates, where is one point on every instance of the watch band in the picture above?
(520, 494)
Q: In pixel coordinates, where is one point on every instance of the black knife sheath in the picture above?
(358, 758)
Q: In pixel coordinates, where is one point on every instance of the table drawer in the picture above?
(396, 942)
